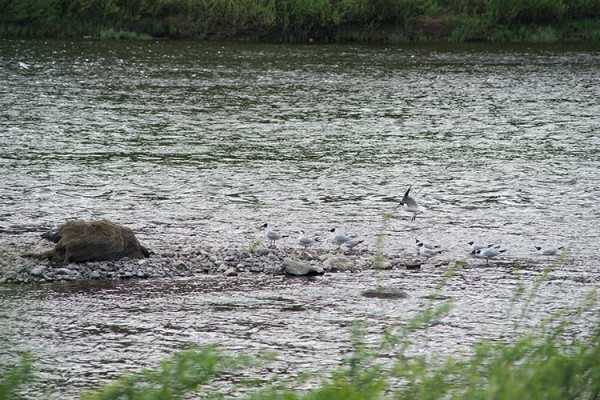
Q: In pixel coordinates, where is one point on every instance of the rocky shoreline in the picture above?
(190, 261)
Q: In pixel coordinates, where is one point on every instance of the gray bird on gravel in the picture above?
(272, 235)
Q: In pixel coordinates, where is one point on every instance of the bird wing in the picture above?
(411, 201)
(305, 240)
(406, 195)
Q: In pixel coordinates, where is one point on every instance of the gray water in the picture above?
(199, 144)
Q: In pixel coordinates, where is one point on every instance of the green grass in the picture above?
(255, 245)
(15, 378)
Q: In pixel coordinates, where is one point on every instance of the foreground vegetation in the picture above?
(546, 363)
(302, 20)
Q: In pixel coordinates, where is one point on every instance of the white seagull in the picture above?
(306, 241)
(428, 252)
(338, 238)
(352, 243)
(418, 244)
(487, 253)
(548, 251)
(478, 246)
(272, 235)
(427, 245)
(411, 203)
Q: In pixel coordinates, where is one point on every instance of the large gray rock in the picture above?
(296, 268)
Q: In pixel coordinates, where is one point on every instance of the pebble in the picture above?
(38, 271)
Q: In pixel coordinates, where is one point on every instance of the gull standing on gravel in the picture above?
(306, 241)
(411, 203)
(427, 245)
(338, 238)
(547, 251)
(487, 253)
(352, 243)
(418, 245)
(478, 246)
(428, 252)
(272, 235)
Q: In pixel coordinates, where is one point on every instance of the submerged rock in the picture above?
(385, 293)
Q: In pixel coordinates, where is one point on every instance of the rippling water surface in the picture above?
(194, 143)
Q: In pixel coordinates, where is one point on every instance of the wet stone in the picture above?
(63, 271)
(256, 268)
(272, 257)
(222, 267)
(296, 268)
(179, 264)
(38, 271)
(414, 264)
(10, 275)
(95, 275)
(385, 293)
(338, 263)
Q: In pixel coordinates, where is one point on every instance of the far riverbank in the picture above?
(299, 21)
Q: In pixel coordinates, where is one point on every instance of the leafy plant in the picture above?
(302, 20)
(176, 376)
(16, 377)
(254, 245)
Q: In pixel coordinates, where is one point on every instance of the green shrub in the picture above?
(15, 378)
(300, 20)
(182, 373)
(108, 34)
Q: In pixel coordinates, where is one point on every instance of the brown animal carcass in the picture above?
(80, 241)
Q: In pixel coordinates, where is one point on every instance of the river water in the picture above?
(200, 144)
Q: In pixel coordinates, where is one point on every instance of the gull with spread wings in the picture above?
(411, 203)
